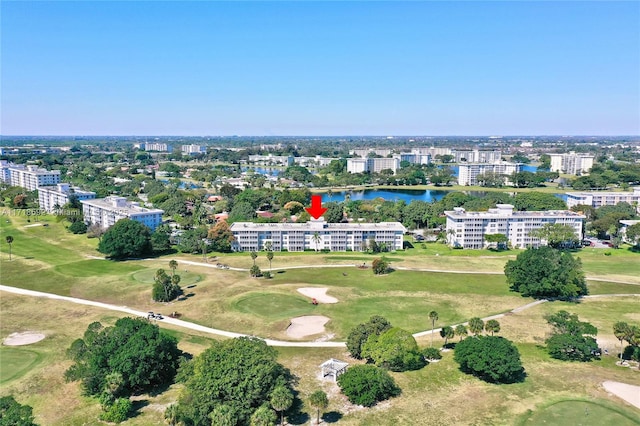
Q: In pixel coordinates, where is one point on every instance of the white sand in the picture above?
(320, 294)
(32, 225)
(629, 393)
(306, 326)
(24, 338)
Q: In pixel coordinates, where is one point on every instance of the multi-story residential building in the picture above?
(154, 146)
(624, 224)
(27, 177)
(362, 165)
(603, 198)
(107, 211)
(433, 151)
(414, 158)
(316, 161)
(364, 153)
(272, 160)
(571, 163)
(52, 198)
(193, 149)
(316, 235)
(468, 173)
(477, 156)
(468, 229)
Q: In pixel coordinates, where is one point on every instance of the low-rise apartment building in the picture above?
(374, 165)
(107, 211)
(27, 177)
(603, 198)
(52, 198)
(468, 229)
(316, 235)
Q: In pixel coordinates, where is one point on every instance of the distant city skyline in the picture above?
(320, 68)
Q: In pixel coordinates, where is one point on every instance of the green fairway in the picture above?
(578, 412)
(273, 306)
(96, 267)
(16, 362)
(147, 276)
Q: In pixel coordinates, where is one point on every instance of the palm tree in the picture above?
(281, 400)
(319, 400)
(263, 416)
(269, 257)
(316, 238)
(492, 326)
(9, 240)
(476, 325)
(461, 330)
(173, 265)
(621, 331)
(446, 333)
(254, 255)
(433, 315)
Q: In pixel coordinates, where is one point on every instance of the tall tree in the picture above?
(12, 413)
(254, 256)
(461, 331)
(492, 326)
(621, 330)
(263, 416)
(281, 400)
(9, 240)
(270, 257)
(316, 238)
(127, 238)
(447, 333)
(490, 358)
(319, 401)
(433, 316)
(173, 265)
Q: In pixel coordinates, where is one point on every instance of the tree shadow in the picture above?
(281, 272)
(136, 407)
(332, 417)
(191, 286)
(295, 415)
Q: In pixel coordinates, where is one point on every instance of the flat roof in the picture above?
(317, 226)
(127, 208)
(516, 214)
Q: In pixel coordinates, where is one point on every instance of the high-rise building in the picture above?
(571, 163)
(468, 173)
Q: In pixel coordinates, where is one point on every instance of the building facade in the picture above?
(468, 229)
(571, 163)
(193, 149)
(52, 198)
(316, 235)
(272, 160)
(468, 173)
(107, 211)
(477, 156)
(27, 177)
(603, 198)
(372, 165)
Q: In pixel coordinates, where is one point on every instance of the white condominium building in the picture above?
(314, 161)
(364, 153)
(468, 229)
(602, 198)
(571, 163)
(468, 173)
(376, 165)
(477, 156)
(52, 198)
(154, 146)
(194, 149)
(107, 211)
(272, 160)
(27, 177)
(316, 235)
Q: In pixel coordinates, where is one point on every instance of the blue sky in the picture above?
(320, 68)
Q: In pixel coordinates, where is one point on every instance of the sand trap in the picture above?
(320, 294)
(306, 326)
(32, 225)
(24, 338)
(629, 393)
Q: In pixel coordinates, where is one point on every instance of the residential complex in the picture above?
(624, 224)
(477, 156)
(316, 235)
(193, 149)
(272, 160)
(27, 177)
(376, 165)
(52, 198)
(571, 163)
(468, 173)
(107, 211)
(604, 198)
(468, 229)
(154, 146)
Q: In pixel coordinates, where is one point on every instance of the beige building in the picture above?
(571, 163)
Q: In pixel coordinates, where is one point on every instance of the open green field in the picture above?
(49, 259)
(587, 413)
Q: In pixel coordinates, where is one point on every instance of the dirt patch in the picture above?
(24, 338)
(629, 393)
(306, 326)
(318, 293)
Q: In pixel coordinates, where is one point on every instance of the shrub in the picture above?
(380, 266)
(367, 384)
(78, 227)
(117, 412)
(490, 358)
(255, 271)
(431, 353)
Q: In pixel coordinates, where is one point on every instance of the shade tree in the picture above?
(360, 334)
(491, 358)
(367, 384)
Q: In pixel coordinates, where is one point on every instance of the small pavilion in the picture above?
(333, 368)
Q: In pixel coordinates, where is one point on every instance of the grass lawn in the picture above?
(16, 362)
(587, 413)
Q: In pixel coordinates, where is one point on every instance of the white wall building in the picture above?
(315, 235)
(193, 149)
(477, 156)
(316, 161)
(52, 198)
(376, 165)
(604, 198)
(107, 211)
(272, 160)
(468, 173)
(624, 224)
(364, 153)
(27, 177)
(571, 163)
(468, 229)
(154, 146)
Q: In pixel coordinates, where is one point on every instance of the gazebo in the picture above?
(332, 368)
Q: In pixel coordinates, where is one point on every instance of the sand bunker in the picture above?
(24, 338)
(629, 393)
(306, 326)
(320, 294)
